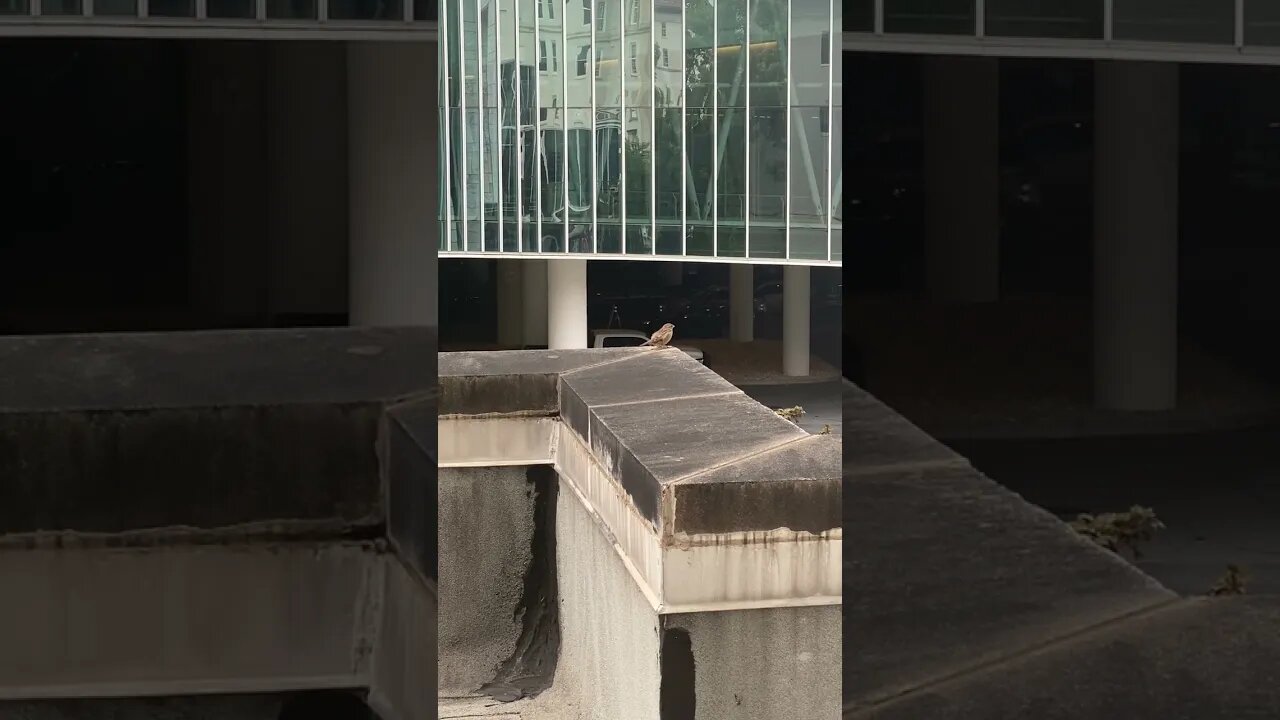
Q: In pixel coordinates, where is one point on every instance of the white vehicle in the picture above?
(616, 337)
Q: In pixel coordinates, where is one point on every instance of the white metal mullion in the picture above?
(1108, 19)
(34, 8)
(406, 11)
(202, 9)
(448, 152)
(537, 120)
(715, 129)
(653, 134)
(564, 110)
(497, 62)
(877, 18)
(1239, 17)
(684, 131)
(86, 8)
(144, 8)
(831, 65)
(260, 13)
(462, 114)
(746, 139)
(322, 11)
(519, 129)
(979, 19)
(786, 183)
(593, 74)
(622, 125)
(480, 110)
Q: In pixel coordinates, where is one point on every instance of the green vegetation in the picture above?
(1120, 532)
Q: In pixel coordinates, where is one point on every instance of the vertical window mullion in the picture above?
(480, 114)
(684, 130)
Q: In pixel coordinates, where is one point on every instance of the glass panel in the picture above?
(424, 10)
(929, 17)
(58, 7)
(470, 46)
(668, 133)
(489, 127)
(115, 7)
(699, 125)
(860, 16)
(1045, 18)
(608, 126)
(14, 7)
(453, 116)
(527, 133)
(836, 138)
(230, 8)
(767, 161)
(579, 151)
(295, 9)
(638, 125)
(1210, 21)
(366, 10)
(552, 123)
(731, 139)
(1261, 22)
(172, 8)
(807, 188)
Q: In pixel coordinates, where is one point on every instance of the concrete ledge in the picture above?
(109, 623)
(511, 382)
(706, 492)
(125, 432)
(1209, 659)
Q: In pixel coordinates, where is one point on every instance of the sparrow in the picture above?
(661, 336)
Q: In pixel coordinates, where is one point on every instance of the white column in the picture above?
(742, 316)
(566, 303)
(1135, 274)
(962, 178)
(392, 183)
(795, 320)
(508, 277)
(535, 302)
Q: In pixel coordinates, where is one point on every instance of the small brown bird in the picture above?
(661, 336)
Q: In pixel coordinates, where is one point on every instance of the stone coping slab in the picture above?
(273, 432)
(655, 419)
(946, 571)
(1202, 658)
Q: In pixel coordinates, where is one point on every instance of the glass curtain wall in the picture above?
(677, 128)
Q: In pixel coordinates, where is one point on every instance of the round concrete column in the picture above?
(535, 302)
(509, 278)
(962, 178)
(566, 303)
(393, 233)
(795, 320)
(742, 316)
(1135, 274)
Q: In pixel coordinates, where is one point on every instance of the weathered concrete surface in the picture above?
(515, 381)
(762, 664)
(403, 679)
(409, 467)
(945, 570)
(190, 707)
(648, 446)
(608, 666)
(486, 527)
(794, 486)
(104, 434)
(180, 620)
(1207, 659)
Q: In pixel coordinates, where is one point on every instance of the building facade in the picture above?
(644, 129)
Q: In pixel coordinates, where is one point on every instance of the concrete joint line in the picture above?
(740, 458)
(854, 710)
(695, 396)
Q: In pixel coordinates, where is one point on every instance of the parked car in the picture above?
(616, 337)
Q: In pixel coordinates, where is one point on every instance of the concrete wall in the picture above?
(486, 525)
(191, 707)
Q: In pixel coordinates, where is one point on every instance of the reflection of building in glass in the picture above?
(676, 128)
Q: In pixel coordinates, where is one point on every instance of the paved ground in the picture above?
(1218, 493)
(821, 402)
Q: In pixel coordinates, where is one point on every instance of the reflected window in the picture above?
(583, 55)
(929, 17)
(601, 15)
(1055, 19)
(1209, 21)
(586, 12)
(824, 49)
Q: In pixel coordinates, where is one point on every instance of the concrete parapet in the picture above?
(218, 512)
(683, 507)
